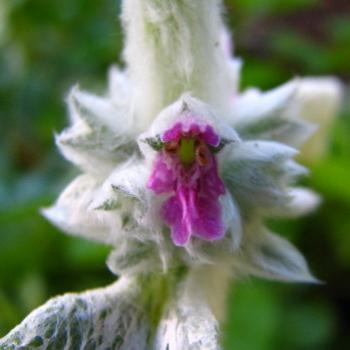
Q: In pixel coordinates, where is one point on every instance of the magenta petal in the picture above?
(207, 222)
(196, 210)
(210, 136)
(173, 134)
(172, 213)
(162, 177)
(200, 217)
(193, 129)
(211, 181)
(208, 225)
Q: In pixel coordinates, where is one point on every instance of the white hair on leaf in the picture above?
(72, 212)
(273, 115)
(133, 256)
(269, 256)
(232, 220)
(110, 317)
(256, 174)
(254, 104)
(302, 202)
(100, 135)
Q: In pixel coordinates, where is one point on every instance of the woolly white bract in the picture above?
(111, 203)
(180, 71)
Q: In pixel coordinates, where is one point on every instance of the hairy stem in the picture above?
(173, 46)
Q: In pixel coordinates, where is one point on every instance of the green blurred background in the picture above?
(47, 46)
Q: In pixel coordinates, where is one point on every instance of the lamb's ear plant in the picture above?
(178, 173)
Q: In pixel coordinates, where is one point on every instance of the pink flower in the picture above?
(186, 168)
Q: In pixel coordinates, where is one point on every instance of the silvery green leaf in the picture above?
(95, 152)
(254, 104)
(132, 256)
(73, 214)
(100, 135)
(256, 174)
(98, 111)
(231, 218)
(106, 318)
(269, 256)
(124, 194)
(293, 171)
(127, 181)
(302, 202)
(263, 151)
(273, 115)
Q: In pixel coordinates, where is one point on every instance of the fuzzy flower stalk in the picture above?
(179, 172)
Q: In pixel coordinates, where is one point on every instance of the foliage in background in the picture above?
(46, 49)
